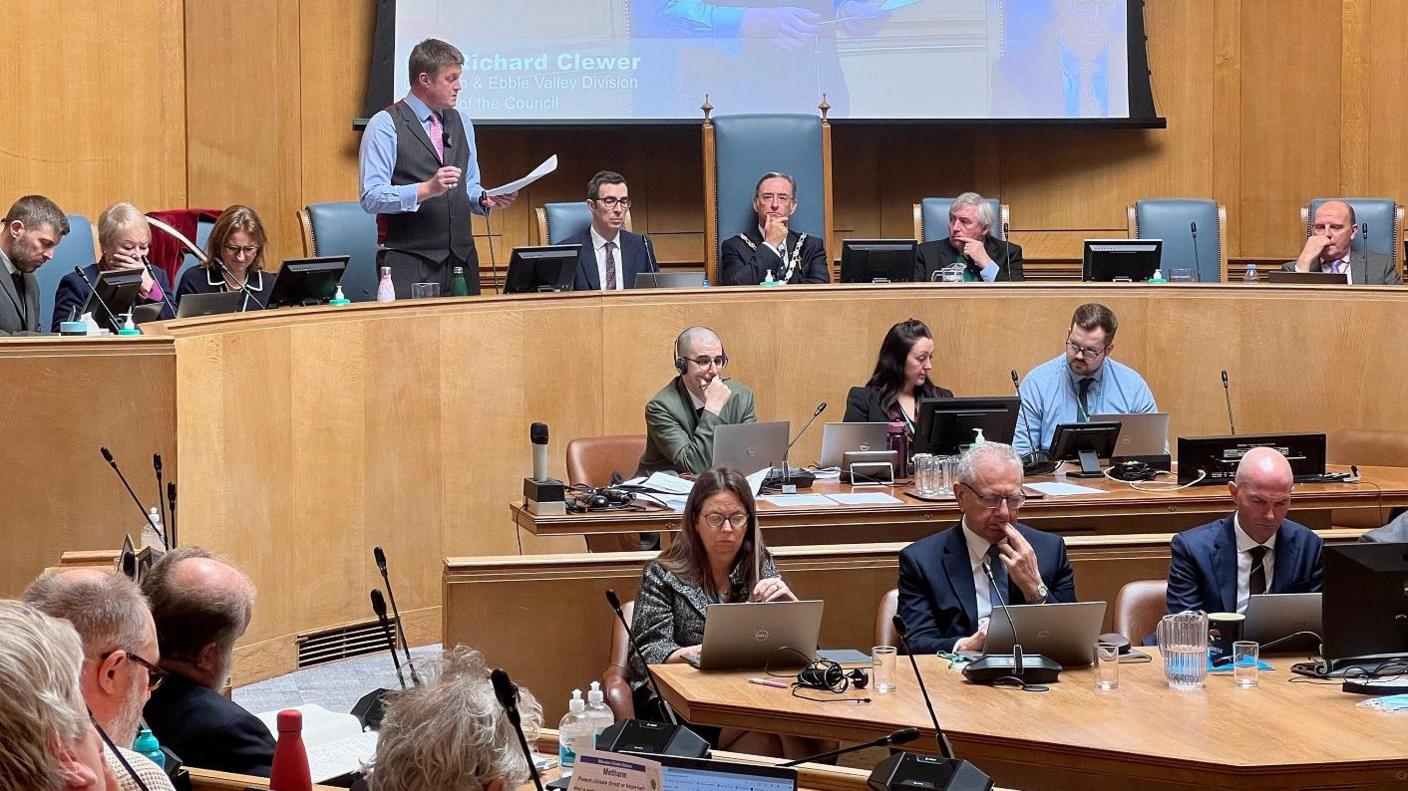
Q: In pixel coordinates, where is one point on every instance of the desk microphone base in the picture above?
(1036, 669)
(912, 772)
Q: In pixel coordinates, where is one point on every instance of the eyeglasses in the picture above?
(778, 197)
(735, 521)
(994, 500)
(155, 675)
(612, 202)
(704, 362)
(247, 251)
(1081, 351)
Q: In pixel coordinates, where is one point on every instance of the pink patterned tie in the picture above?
(437, 135)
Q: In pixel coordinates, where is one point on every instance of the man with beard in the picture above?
(33, 227)
(120, 657)
(201, 606)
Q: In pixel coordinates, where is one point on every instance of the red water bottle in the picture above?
(290, 771)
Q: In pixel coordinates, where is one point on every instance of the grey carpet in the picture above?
(335, 686)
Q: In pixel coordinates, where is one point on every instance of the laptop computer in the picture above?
(1141, 433)
(1308, 278)
(701, 774)
(192, 305)
(749, 447)
(669, 280)
(1272, 616)
(751, 634)
(1061, 632)
(838, 438)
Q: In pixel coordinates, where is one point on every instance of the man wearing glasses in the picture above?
(680, 420)
(791, 256)
(1083, 381)
(610, 256)
(120, 658)
(945, 594)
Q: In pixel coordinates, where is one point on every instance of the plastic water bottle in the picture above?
(149, 748)
(573, 733)
(1251, 276)
(385, 290)
(598, 712)
(290, 768)
(152, 538)
(459, 287)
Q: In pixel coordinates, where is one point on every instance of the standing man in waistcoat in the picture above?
(420, 175)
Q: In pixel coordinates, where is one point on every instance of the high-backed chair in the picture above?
(739, 149)
(188, 259)
(615, 681)
(1364, 447)
(1385, 219)
(885, 618)
(1138, 607)
(558, 221)
(931, 218)
(1170, 219)
(591, 461)
(342, 228)
(75, 249)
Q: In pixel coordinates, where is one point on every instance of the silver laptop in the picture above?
(669, 280)
(209, 304)
(1062, 632)
(749, 447)
(750, 634)
(1141, 433)
(1272, 616)
(838, 438)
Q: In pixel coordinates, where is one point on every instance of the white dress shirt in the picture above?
(977, 551)
(1244, 563)
(599, 245)
(780, 249)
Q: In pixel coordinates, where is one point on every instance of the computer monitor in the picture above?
(1364, 611)
(948, 425)
(878, 260)
(307, 281)
(549, 268)
(1132, 260)
(1087, 443)
(116, 289)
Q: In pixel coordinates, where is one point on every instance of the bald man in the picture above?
(1328, 249)
(201, 606)
(1218, 567)
(681, 418)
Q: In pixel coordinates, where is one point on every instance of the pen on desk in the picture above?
(768, 682)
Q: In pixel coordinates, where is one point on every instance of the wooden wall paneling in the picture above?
(1225, 108)
(1383, 82)
(334, 54)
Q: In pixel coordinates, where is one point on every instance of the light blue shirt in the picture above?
(1050, 398)
(378, 160)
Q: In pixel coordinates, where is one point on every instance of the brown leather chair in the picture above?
(885, 618)
(1365, 447)
(1138, 607)
(591, 461)
(614, 682)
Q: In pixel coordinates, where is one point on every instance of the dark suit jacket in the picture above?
(679, 441)
(202, 280)
(18, 316)
(936, 255)
(863, 404)
(208, 731)
(1202, 572)
(937, 599)
(742, 264)
(1376, 270)
(73, 292)
(631, 259)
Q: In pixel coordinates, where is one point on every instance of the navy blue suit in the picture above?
(73, 292)
(207, 730)
(632, 258)
(937, 599)
(210, 280)
(1202, 571)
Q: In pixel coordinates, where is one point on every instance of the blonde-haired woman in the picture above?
(125, 240)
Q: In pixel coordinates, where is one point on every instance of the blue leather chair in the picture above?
(342, 228)
(931, 218)
(1170, 219)
(1385, 219)
(557, 221)
(75, 249)
(188, 260)
(739, 149)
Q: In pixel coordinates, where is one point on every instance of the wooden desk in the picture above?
(1280, 735)
(1118, 510)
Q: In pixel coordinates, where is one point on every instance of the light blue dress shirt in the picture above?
(378, 160)
(1049, 398)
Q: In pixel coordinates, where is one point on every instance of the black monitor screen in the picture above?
(1107, 260)
(308, 281)
(114, 290)
(1365, 603)
(549, 268)
(1072, 438)
(877, 260)
(948, 425)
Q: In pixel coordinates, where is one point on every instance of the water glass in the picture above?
(886, 660)
(947, 474)
(1183, 641)
(1107, 666)
(1246, 662)
(1180, 275)
(425, 290)
(924, 474)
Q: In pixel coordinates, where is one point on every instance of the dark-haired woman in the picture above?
(900, 379)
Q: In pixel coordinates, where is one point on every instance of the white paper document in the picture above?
(865, 498)
(756, 480)
(548, 166)
(1056, 489)
(601, 771)
(663, 482)
(798, 500)
(335, 742)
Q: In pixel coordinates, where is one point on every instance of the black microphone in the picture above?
(390, 594)
(538, 433)
(1007, 252)
(1227, 394)
(107, 456)
(171, 505)
(244, 286)
(507, 693)
(379, 607)
(1197, 264)
(112, 317)
(1035, 461)
(901, 736)
(995, 668)
(370, 709)
(783, 474)
(945, 749)
(615, 602)
(1364, 229)
(650, 254)
(151, 272)
(1016, 646)
(161, 504)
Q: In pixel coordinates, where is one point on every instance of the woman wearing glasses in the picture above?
(900, 379)
(236, 260)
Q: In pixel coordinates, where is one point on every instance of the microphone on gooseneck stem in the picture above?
(650, 254)
(171, 505)
(151, 272)
(901, 736)
(380, 556)
(615, 602)
(507, 693)
(945, 749)
(773, 479)
(370, 709)
(1364, 229)
(1197, 264)
(244, 286)
(538, 433)
(1227, 394)
(1007, 251)
(1035, 461)
(107, 456)
(997, 593)
(379, 607)
(160, 487)
(996, 668)
(112, 317)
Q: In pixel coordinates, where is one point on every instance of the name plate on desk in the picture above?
(1216, 458)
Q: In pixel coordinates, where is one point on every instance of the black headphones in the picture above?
(584, 499)
(681, 364)
(1133, 470)
(828, 675)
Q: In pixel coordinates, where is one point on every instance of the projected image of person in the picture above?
(1068, 59)
(748, 55)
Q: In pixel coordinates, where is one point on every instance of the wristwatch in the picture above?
(1041, 592)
